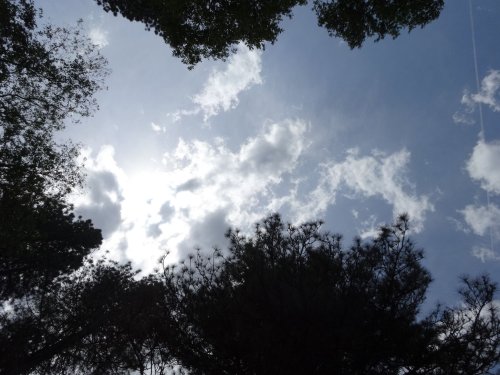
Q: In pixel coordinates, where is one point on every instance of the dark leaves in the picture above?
(198, 29)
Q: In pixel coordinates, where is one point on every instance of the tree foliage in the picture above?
(95, 321)
(197, 29)
(287, 300)
(48, 75)
(38, 242)
(291, 300)
(356, 20)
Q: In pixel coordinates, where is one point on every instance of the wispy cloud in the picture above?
(483, 165)
(482, 219)
(464, 118)
(204, 187)
(200, 191)
(221, 91)
(376, 175)
(488, 95)
(158, 128)
(383, 176)
(102, 197)
(485, 254)
(99, 37)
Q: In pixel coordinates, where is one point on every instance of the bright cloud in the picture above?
(157, 128)
(99, 37)
(483, 165)
(221, 91)
(202, 189)
(383, 176)
(488, 95)
(485, 254)
(376, 175)
(101, 200)
(482, 219)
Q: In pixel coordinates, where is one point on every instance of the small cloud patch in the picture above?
(483, 165)
(221, 91)
(99, 37)
(488, 95)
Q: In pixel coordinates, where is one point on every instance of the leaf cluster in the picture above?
(286, 300)
(291, 300)
(48, 75)
(97, 320)
(356, 20)
(198, 29)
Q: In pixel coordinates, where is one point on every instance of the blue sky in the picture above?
(308, 128)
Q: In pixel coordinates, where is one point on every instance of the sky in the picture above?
(307, 128)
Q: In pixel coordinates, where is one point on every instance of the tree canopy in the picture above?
(96, 321)
(285, 300)
(291, 300)
(197, 29)
(48, 75)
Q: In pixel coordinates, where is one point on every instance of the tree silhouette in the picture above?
(48, 75)
(290, 300)
(40, 242)
(356, 20)
(197, 29)
(96, 321)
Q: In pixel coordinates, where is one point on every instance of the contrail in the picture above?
(482, 135)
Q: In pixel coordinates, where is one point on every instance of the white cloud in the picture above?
(376, 175)
(157, 128)
(483, 165)
(99, 37)
(370, 227)
(482, 219)
(485, 254)
(101, 200)
(221, 91)
(384, 176)
(488, 95)
(202, 189)
(222, 88)
(463, 118)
